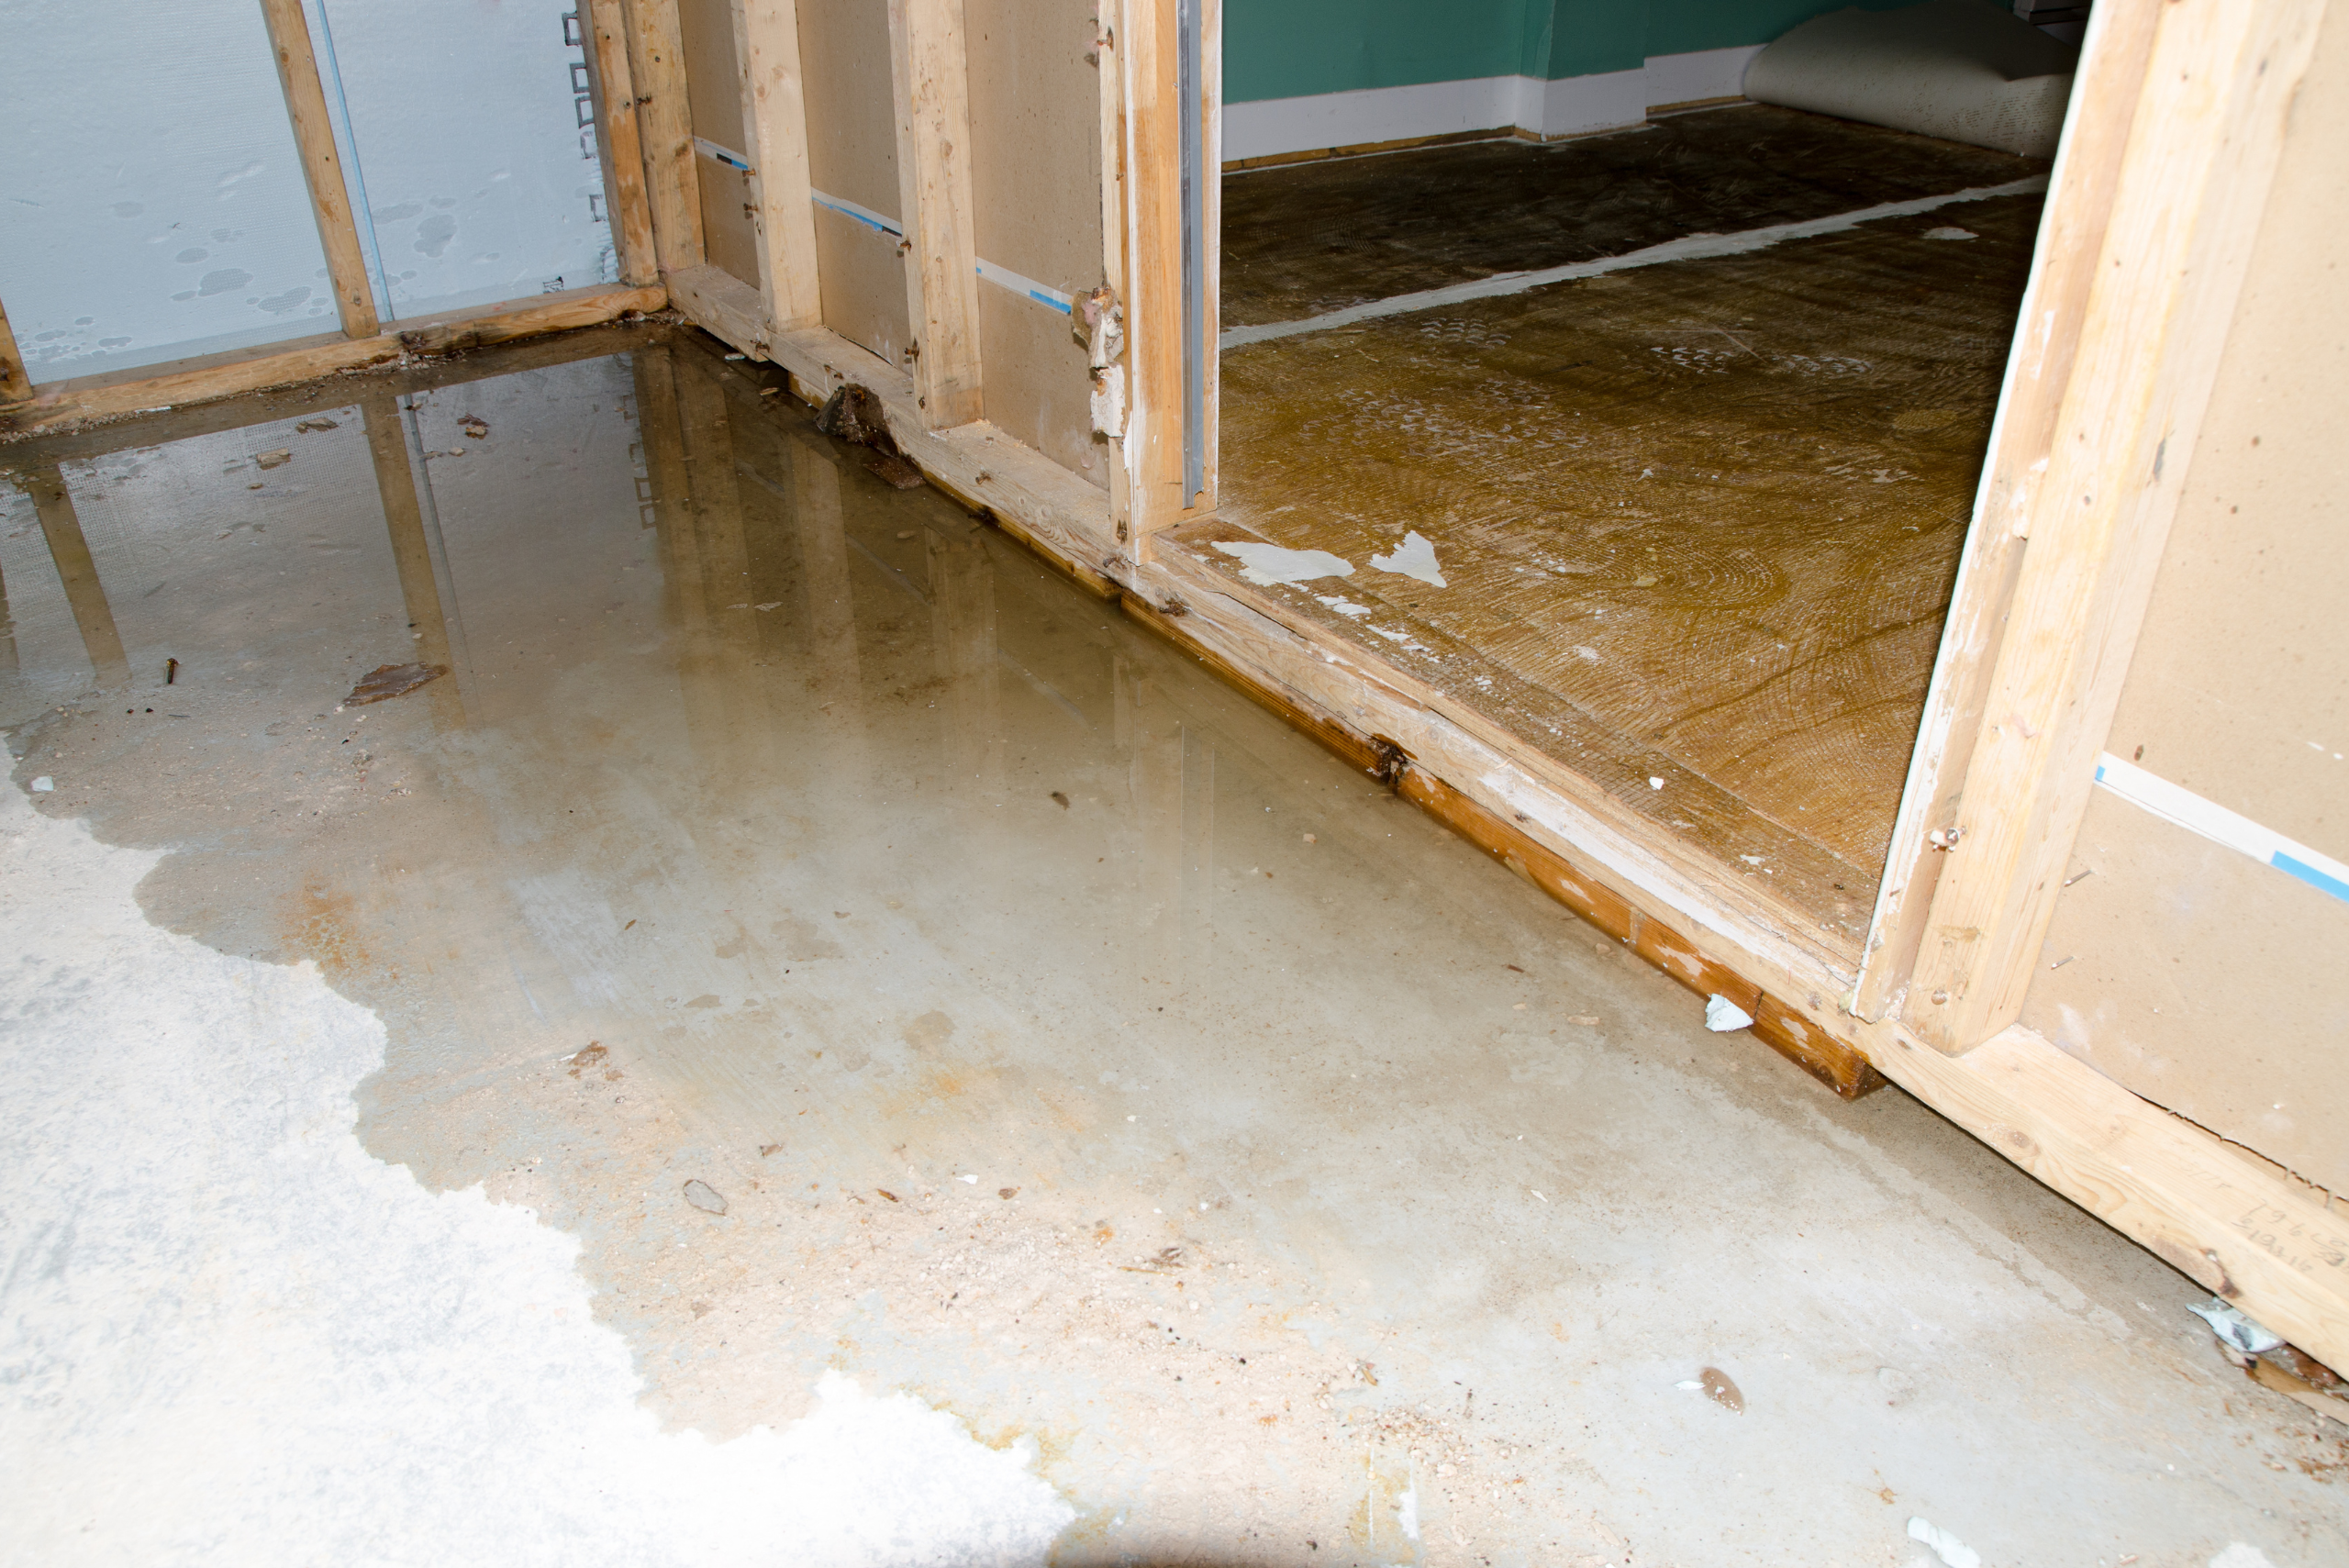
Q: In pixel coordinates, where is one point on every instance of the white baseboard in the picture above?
(1703, 73)
(1274, 126)
(1575, 104)
(1569, 106)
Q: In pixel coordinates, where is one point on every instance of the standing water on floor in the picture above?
(884, 959)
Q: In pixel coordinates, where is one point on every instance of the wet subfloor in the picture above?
(1696, 522)
(881, 957)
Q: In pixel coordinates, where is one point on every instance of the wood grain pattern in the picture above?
(15, 384)
(621, 145)
(1711, 508)
(664, 128)
(774, 115)
(305, 102)
(2203, 145)
(931, 92)
(152, 387)
(1153, 220)
(2039, 368)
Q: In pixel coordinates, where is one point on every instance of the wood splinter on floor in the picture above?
(387, 681)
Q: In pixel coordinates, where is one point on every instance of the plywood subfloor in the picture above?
(1698, 522)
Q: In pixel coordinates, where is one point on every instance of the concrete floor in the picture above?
(1139, 1138)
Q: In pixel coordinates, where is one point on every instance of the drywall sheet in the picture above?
(713, 95)
(2205, 982)
(1036, 199)
(852, 159)
(469, 140)
(154, 199)
(2239, 693)
(1037, 382)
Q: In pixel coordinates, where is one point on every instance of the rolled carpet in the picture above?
(1963, 69)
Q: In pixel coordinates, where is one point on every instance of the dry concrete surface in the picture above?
(815, 1041)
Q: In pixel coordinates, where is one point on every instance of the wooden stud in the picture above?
(78, 574)
(665, 123)
(2039, 367)
(2194, 177)
(1107, 56)
(1210, 198)
(775, 122)
(153, 387)
(932, 92)
(621, 144)
(1149, 160)
(305, 101)
(15, 384)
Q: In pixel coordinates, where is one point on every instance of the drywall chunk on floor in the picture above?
(1269, 564)
(1946, 1546)
(1414, 557)
(246, 1340)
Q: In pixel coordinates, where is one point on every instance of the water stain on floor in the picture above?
(882, 956)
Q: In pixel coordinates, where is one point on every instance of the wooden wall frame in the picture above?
(774, 121)
(363, 343)
(621, 145)
(15, 385)
(1149, 190)
(2145, 250)
(306, 103)
(930, 80)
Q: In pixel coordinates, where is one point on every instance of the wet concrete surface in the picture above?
(881, 957)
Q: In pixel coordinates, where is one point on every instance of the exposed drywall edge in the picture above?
(1569, 106)
(2151, 792)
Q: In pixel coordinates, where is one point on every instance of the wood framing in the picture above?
(15, 384)
(932, 97)
(621, 146)
(153, 387)
(656, 62)
(2200, 152)
(2039, 369)
(775, 122)
(1151, 180)
(305, 102)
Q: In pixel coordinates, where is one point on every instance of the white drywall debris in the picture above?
(1721, 1015)
(245, 1340)
(1270, 563)
(2233, 1329)
(43, 784)
(1948, 232)
(1414, 557)
(1946, 1547)
(2240, 1554)
(1344, 606)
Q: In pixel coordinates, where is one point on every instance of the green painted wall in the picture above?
(1290, 48)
